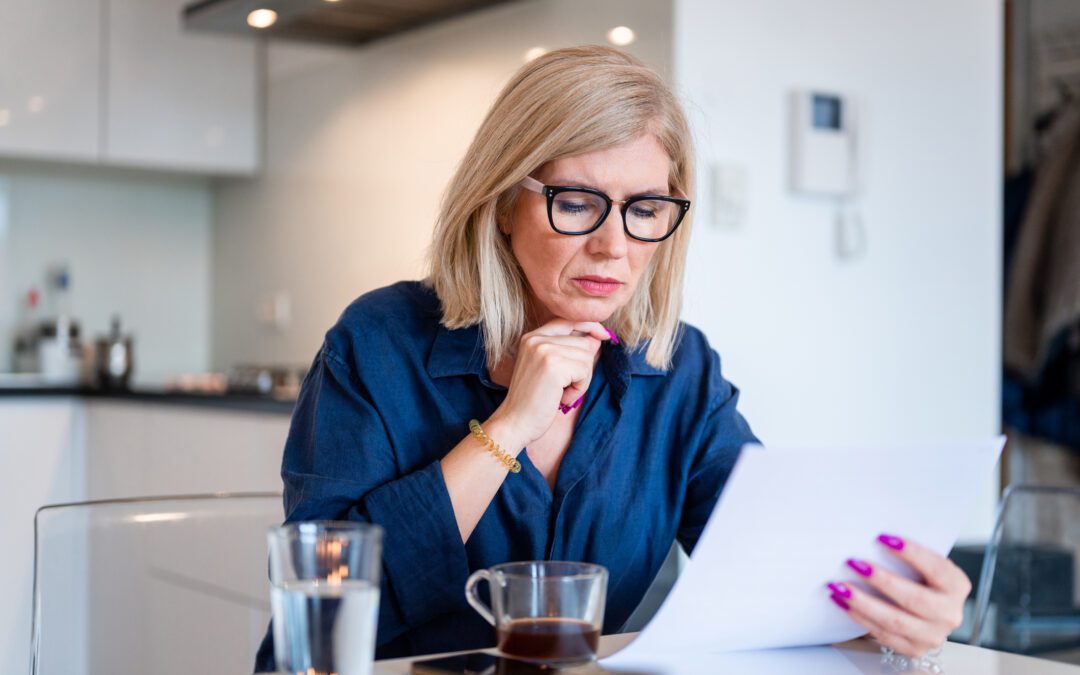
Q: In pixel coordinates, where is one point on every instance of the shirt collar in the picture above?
(460, 351)
(635, 363)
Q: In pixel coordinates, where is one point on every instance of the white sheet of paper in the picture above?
(787, 521)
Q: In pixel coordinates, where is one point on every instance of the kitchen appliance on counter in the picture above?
(114, 358)
(51, 348)
(60, 352)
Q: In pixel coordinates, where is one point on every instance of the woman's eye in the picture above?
(643, 212)
(572, 208)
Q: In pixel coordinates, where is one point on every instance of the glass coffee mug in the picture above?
(543, 611)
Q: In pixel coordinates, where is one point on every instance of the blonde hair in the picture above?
(564, 103)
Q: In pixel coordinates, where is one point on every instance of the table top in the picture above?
(856, 656)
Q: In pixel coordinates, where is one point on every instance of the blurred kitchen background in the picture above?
(188, 201)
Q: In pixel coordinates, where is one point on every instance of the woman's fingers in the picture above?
(576, 374)
(914, 617)
(916, 598)
(571, 356)
(573, 396)
(585, 344)
(891, 625)
(569, 339)
(888, 638)
(939, 572)
(593, 329)
(552, 370)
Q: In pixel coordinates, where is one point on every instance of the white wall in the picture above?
(902, 344)
(137, 244)
(360, 144)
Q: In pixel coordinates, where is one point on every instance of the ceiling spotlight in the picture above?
(620, 36)
(262, 18)
(535, 52)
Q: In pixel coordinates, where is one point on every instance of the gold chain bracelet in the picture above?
(509, 462)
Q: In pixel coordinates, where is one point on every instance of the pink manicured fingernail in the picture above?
(841, 602)
(563, 408)
(610, 332)
(841, 590)
(577, 402)
(893, 542)
(861, 567)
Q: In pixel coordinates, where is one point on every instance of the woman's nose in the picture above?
(609, 239)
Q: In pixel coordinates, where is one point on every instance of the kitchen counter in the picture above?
(226, 401)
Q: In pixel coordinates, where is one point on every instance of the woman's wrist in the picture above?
(506, 432)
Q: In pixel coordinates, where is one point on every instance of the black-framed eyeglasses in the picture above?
(581, 210)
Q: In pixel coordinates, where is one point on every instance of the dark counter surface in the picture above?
(226, 401)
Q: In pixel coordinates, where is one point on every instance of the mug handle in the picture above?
(474, 599)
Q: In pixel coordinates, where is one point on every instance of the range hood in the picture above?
(352, 22)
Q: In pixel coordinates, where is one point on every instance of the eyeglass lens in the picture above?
(581, 211)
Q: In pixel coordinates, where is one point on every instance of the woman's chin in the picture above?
(588, 311)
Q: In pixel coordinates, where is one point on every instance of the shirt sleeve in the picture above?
(340, 464)
(722, 435)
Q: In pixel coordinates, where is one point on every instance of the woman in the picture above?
(550, 316)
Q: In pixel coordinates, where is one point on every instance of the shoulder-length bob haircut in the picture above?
(564, 103)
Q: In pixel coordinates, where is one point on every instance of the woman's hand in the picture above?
(552, 371)
(916, 617)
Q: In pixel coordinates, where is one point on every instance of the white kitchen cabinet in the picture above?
(50, 62)
(136, 448)
(41, 444)
(121, 83)
(177, 99)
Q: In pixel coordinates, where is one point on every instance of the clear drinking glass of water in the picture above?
(324, 580)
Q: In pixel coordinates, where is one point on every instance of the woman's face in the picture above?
(587, 277)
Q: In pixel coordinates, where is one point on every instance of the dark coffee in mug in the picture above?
(551, 639)
(544, 611)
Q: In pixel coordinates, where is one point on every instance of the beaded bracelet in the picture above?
(509, 462)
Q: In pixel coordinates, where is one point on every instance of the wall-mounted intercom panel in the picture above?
(823, 152)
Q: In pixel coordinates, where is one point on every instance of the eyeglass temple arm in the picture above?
(530, 183)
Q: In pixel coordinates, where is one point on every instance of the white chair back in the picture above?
(164, 585)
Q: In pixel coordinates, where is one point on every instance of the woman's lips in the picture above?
(599, 286)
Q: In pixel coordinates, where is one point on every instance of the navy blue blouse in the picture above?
(392, 391)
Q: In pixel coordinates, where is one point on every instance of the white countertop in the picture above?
(857, 656)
